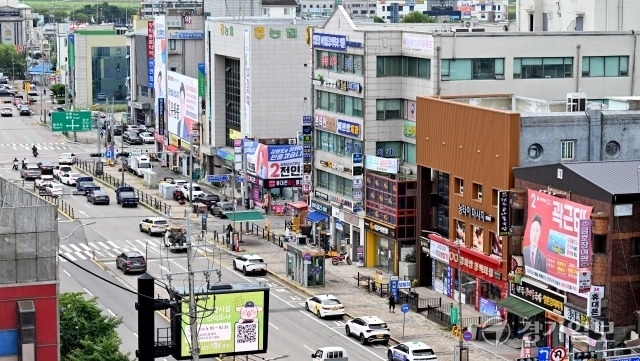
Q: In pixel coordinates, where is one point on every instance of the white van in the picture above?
(330, 353)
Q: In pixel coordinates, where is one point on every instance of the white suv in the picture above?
(195, 190)
(411, 351)
(153, 225)
(368, 329)
(250, 263)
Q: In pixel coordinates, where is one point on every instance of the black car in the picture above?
(131, 261)
(46, 167)
(117, 129)
(131, 138)
(98, 196)
(207, 199)
(7, 93)
(25, 110)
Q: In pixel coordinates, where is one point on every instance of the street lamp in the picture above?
(71, 234)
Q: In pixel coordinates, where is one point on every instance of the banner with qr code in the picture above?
(235, 324)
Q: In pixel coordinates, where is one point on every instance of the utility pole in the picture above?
(193, 320)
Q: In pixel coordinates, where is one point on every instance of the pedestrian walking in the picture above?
(228, 232)
(392, 303)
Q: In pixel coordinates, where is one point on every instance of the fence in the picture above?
(63, 206)
(263, 232)
(144, 198)
(442, 316)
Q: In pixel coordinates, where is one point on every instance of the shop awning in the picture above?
(316, 217)
(245, 216)
(298, 205)
(519, 307)
(172, 148)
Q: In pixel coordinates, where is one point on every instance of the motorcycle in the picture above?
(340, 259)
(15, 165)
(35, 153)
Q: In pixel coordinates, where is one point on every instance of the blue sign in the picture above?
(405, 308)
(328, 41)
(489, 307)
(306, 120)
(240, 179)
(307, 256)
(150, 66)
(186, 35)
(218, 178)
(403, 285)
(393, 288)
(349, 128)
(357, 158)
(204, 217)
(544, 353)
(108, 154)
(467, 336)
(626, 359)
(161, 116)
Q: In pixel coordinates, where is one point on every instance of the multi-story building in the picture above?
(571, 15)
(277, 9)
(151, 8)
(367, 77)
(16, 20)
(446, 10)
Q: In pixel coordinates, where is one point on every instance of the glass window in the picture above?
(410, 153)
(468, 69)
(389, 66)
(337, 144)
(535, 68)
(172, 44)
(605, 66)
(567, 149)
(109, 72)
(388, 149)
(335, 183)
(338, 103)
(388, 109)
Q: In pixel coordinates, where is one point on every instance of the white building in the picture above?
(150, 8)
(276, 9)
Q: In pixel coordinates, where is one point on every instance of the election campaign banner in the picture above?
(182, 105)
(273, 161)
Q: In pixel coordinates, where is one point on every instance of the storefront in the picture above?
(380, 245)
(480, 282)
(346, 225)
(319, 217)
(274, 194)
(580, 332)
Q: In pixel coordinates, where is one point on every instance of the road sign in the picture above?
(240, 179)
(467, 336)
(405, 308)
(135, 152)
(557, 354)
(74, 121)
(108, 154)
(307, 256)
(454, 316)
(218, 178)
(543, 353)
(404, 284)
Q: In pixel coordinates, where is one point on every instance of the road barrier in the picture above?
(62, 206)
(264, 233)
(143, 197)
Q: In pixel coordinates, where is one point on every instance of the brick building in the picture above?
(613, 244)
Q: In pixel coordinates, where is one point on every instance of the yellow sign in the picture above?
(234, 134)
(176, 141)
(259, 32)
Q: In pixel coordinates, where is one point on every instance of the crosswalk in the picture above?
(40, 146)
(110, 249)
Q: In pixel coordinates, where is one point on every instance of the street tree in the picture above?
(417, 17)
(57, 89)
(85, 333)
(377, 19)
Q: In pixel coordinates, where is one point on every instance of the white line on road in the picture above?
(309, 348)
(86, 215)
(108, 310)
(135, 334)
(67, 273)
(272, 325)
(87, 291)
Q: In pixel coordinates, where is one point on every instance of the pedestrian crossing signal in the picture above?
(97, 154)
(585, 355)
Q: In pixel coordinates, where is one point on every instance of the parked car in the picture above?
(25, 110)
(324, 305)
(46, 167)
(67, 158)
(41, 180)
(147, 138)
(69, 179)
(411, 351)
(190, 190)
(102, 96)
(208, 199)
(56, 109)
(179, 182)
(250, 263)
(151, 225)
(31, 171)
(6, 93)
(6, 112)
(60, 170)
(368, 329)
(98, 196)
(117, 129)
(135, 128)
(221, 207)
(131, 261)
(131, 138)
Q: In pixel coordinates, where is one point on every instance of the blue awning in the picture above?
(316, 217)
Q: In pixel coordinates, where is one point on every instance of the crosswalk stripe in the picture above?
(65, 248)
(103, 245)
(113, 244)
(111, 249)
(75, 247)
(70, 256)
(86, 247)
(80, 255)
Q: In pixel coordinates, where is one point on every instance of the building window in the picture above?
(335, 183)
(535, 68)
(605, 66)
(567, 150)
(612, 148)
(477, 191)
(403, 66)
(535, 151)
(389, 109)
(338, 103)
(389, 66)
(494, 197)
(287, 11)
(339, 62)
(472, 69)
(410, 153)
(337, 144)
(599, 243)
(459, 185)
(388, 149)
(232, 103)
(517, 217)
(635, 246)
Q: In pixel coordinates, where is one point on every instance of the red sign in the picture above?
(476, 264)
(150, 41)
(551, 245)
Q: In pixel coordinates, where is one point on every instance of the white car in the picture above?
(67, 158)
(195, 190)
(153, 225)
(69, 179)
(411, 351)
(44, 179)
(179, 182)
(60, 170)
(250, 263)
(324, 305)
(54, 189)
(147, 137)
(368, 329)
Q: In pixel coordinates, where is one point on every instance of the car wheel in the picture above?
(306, 306)
(347, 331)
(117, 265)
(363, 340)
(385, 342)
(389, 355)
(141, 230)
(318, 313)
(149, 231)
(244, 271)
(234, 265)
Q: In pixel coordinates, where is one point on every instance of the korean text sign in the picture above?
(551, 248)
(182, 105)
(273, 161)
(237, 326)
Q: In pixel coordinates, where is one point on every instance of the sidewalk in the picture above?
(341, 281)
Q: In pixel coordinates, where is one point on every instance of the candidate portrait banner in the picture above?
(273, 161)
(182, 105)
(552, 242)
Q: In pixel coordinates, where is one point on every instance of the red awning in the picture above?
(172, 148)
(298, 205)
(466, 251)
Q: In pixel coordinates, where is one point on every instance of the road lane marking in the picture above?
(87, 291)
(67, 273)
(272, 325)
(309, 348)
(111, 312)
(75, 247)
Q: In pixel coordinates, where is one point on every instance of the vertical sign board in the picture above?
(202, 80)
(72, 51)
(150, 52)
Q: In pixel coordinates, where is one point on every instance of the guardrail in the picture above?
(143, 197)
(63, 206)
(264, 233)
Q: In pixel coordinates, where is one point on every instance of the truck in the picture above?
(175, 239)
(127, 199)
(138, 164)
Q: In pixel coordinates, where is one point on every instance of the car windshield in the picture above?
(65, 155)
(331, 301)
(423, 352)
(378, 326)
(144, 165)
(197, 189)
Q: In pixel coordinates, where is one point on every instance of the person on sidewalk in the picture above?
(392, 303)
(228, 231)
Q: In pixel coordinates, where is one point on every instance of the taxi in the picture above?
(411, 351)
(324, 305)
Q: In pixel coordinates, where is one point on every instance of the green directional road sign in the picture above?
(454, 316)
(74, 121)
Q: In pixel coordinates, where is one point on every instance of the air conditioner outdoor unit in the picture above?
(479, 195)
(405, 170)
(467, 24)
(293, 141)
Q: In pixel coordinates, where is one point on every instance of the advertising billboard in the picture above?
(230, 322)
(551, 247)
(387, 165)
(182, 105)
(273, 161)
(159, 75)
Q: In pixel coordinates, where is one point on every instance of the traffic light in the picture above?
(588, 355)
(97, 154)
(123, 154)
